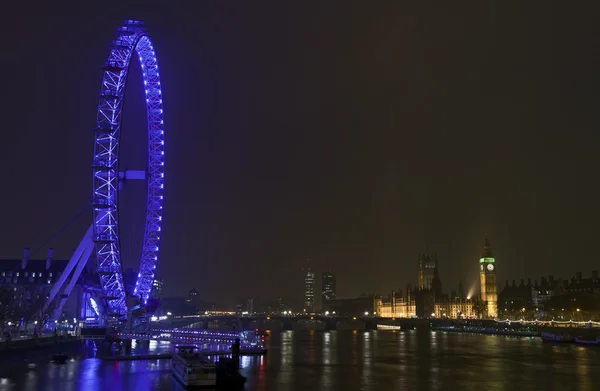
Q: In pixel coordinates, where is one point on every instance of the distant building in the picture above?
(280, 305)
(28, 283)
(455, 308)
(396, 305)
(309, 291)
(250, 305)
(428, 300)
(328, 286)
(429, 288)
(427, 266)
(578, 284)
(487, 279)
(157, 289)
(193, 298)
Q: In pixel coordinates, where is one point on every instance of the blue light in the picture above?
(106, 148)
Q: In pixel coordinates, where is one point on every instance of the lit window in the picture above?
(3, 274)
(50, 274)
(48, 281)
(33, 274)
(17, 274)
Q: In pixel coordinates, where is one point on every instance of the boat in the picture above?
(193, 369)
(584, 341)
(556, 337)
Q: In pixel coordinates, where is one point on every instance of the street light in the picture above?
(326, 313)
(366, 313)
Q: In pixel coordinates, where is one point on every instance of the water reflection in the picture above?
(382, 360)
(327, 359)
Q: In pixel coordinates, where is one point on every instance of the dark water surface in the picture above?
(374, 360)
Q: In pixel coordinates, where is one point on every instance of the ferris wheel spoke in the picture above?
(132, 39)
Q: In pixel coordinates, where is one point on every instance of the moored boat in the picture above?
(556, 337)
(192, 369)
(585, 341)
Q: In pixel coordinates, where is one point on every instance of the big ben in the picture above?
(487, 279)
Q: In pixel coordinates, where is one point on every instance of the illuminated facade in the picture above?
(455, 308)
(487, 279)
(396, 306)
(309, 291)
(25, 285)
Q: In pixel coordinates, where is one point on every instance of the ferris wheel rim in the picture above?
(132, 38)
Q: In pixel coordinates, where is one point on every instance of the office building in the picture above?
(328, 287)
(309, 291)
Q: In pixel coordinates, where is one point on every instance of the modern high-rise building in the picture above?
(487, 279)
(250, 305)
(157, 288)
(309, 291)
(328, 286)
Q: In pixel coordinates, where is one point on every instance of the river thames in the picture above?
(369, 360)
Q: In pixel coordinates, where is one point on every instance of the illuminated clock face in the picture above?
(490, 267)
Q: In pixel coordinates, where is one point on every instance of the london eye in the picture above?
(103, 237)
(132, 38)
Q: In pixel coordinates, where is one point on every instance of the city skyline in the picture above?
(400, 134)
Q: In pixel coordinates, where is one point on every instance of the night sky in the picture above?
(353, 135)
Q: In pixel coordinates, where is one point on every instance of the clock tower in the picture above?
(487, 279)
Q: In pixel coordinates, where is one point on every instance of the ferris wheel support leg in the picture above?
(82, 262)
(87, 239)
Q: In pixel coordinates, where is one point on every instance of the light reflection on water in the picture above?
(345, 360)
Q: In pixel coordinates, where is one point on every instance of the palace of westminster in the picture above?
(577, 298)
(427, 300)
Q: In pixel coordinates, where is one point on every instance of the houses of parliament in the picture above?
(428, 300)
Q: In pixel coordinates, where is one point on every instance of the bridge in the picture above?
(263, 322)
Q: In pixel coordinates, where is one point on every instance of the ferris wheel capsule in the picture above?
(132, 38)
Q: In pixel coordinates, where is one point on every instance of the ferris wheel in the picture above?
(103, 235)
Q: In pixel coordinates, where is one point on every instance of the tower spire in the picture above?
(487, 249)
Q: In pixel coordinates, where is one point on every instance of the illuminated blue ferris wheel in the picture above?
(102, 237)
(132, 39)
